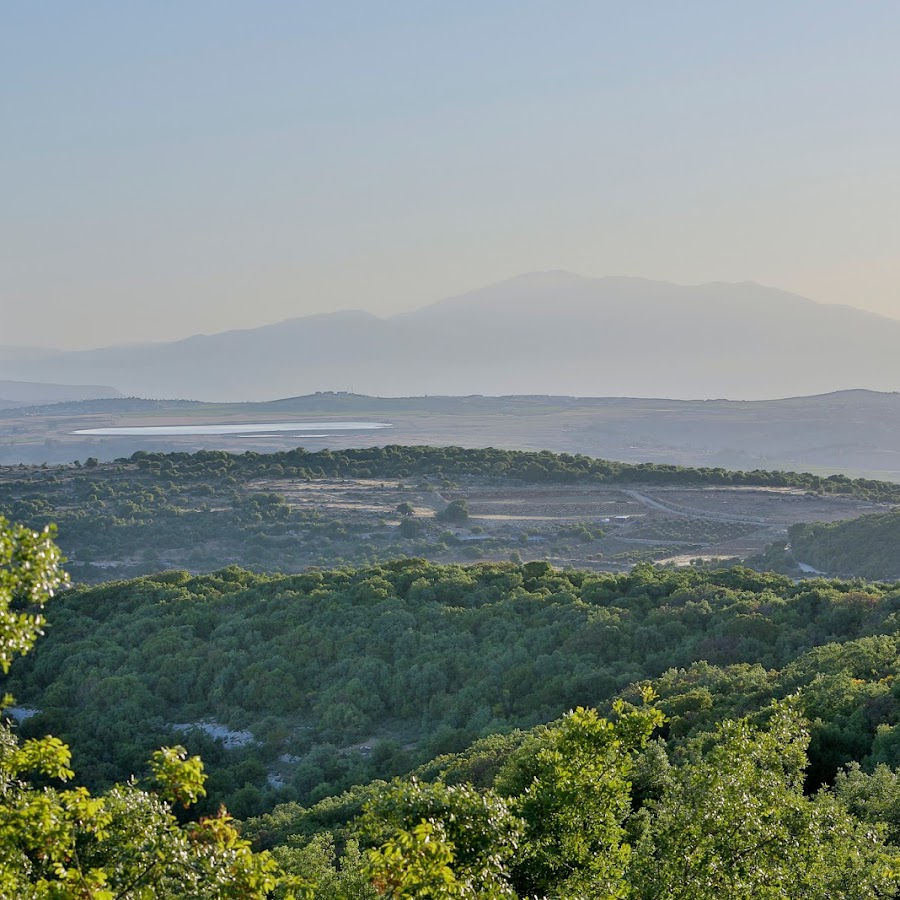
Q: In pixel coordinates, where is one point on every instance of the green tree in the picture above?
(417, 864)
(317, 862)
(734, 822)
(456, 512)
(573, 792)
(872, 797)
(29, 575)
(410, 528)
(440, 841)
(126, 844)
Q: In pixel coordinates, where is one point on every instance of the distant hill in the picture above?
(14, 394)
(543, 333)
(866, 546)
(855, 432)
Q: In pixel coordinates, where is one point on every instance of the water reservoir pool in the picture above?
(257, 428)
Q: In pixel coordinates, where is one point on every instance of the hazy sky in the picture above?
(174, 167)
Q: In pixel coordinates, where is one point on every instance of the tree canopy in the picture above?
(127, 843)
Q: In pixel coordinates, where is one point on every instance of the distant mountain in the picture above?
(542, 333)
(14, 394)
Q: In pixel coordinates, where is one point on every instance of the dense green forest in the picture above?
(848, 692)
(868, 546)
(127, 843)
(768, 769)
(591, 807)
(329, 679)
(529, 466)
(400, 728)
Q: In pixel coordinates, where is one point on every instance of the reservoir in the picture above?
(254, 428)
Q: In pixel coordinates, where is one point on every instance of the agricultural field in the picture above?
(120, 519)
(581, 526)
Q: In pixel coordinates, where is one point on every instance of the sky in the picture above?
(171, 168)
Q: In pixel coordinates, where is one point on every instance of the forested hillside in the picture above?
(849, 692)
(325, 679)
(125, 843)
(532, 467)
(595, 808)
(868, 546)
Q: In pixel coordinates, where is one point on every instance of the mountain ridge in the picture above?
(542, 333)
(16, 394)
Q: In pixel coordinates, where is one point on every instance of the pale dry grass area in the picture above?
(542, 521)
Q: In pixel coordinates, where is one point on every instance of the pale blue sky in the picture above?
(174, 167)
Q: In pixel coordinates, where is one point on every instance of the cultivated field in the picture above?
(597, 527)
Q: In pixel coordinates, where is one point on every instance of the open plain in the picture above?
(853, 432)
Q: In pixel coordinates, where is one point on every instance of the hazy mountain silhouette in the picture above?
(25, 393)
(541, 333)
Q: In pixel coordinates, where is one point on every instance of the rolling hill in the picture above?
(14, 394)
